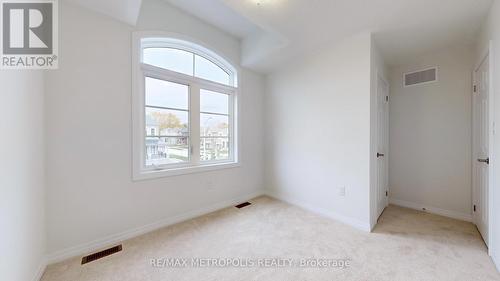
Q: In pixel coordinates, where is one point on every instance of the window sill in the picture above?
(146, 175)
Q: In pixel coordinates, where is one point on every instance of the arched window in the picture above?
(188, 94)
(187, 58)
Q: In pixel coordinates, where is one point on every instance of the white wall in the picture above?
(318, 131)
(91, 197)
(430, 135)
(22, 176)
(491, 31)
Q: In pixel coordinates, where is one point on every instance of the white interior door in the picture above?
(480, 159)
(382, 144)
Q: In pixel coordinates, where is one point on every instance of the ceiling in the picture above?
(288, 28)
(218, 14)
(274, 31)
(123, 10)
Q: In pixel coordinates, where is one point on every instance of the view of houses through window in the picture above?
(214, 124)
(194, 86)
(167, 122)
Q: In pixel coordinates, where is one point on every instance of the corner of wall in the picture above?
(358, 224)
(41, 269)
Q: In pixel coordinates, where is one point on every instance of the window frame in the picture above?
(141, 70)
(196, 50)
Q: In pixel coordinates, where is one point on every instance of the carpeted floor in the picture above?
(272, 240)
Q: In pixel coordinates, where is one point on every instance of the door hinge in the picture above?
(387, 193)
(474, 208)
(386, 98)
(475, 89)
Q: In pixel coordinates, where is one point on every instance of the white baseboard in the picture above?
(119, 237)
(40, 270)
(432, 210)
(496, 261)
(364, 226)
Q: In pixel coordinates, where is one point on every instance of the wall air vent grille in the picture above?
(420, 77)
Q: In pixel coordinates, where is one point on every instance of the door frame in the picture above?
(386, 156)
(488, 52)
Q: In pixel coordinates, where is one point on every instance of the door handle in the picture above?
(487, 160)
(380, 155)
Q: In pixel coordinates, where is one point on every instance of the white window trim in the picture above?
(139, 71)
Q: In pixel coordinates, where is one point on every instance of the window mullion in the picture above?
(194, 109)
(194, 64)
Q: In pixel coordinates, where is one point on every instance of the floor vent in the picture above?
(243, 205)
(101, 254)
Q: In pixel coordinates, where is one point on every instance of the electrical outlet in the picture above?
(342, 191)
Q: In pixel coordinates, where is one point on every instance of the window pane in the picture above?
(165, 122)
(213, 102)
(167, 133)
(162, 151)
(212, 149)
(171, 59)
(214, 125)
(166, 94)
(208, 70)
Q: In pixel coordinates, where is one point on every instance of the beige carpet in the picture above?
(406, 245)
